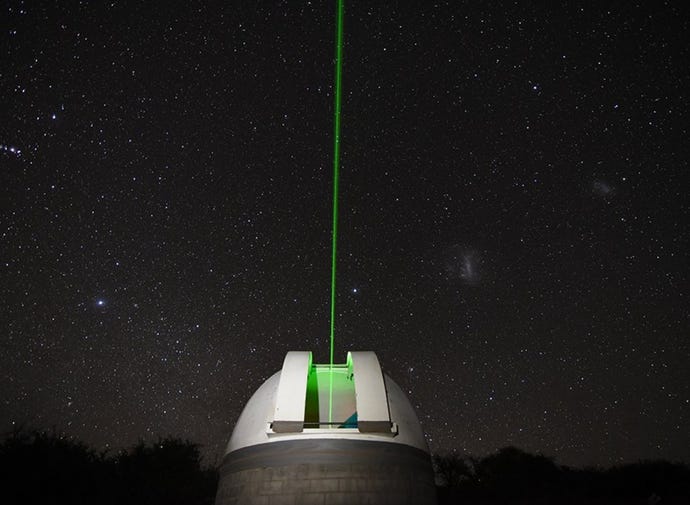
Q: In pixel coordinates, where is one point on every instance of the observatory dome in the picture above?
(320, 434)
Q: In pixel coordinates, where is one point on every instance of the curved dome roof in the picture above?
(367, 405)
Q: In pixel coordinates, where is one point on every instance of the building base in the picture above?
(326, 472)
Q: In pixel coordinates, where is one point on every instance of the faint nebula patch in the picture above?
(463, 264)
(603, 189)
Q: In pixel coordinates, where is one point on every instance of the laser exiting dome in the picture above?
(316, 434)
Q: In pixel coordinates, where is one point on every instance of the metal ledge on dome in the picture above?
(392, 431)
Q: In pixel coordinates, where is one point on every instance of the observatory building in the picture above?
(312, 434)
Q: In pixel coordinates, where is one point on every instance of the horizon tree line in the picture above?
(49, 467)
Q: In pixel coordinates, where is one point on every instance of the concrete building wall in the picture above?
(327, 472)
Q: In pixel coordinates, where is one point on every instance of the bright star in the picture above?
(10, 149)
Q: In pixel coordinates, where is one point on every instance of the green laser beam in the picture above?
(336, 171)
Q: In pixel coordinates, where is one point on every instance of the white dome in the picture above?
(254, 426)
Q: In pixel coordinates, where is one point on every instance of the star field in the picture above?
(513, 230)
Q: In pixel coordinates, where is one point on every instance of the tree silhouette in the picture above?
(49, 468)
(512, 476)
(41, 467)
(451, 470)
(168, 471)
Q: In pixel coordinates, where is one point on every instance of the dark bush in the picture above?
(40, 467)
(512, 476)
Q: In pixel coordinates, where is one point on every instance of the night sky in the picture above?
(513, 231)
